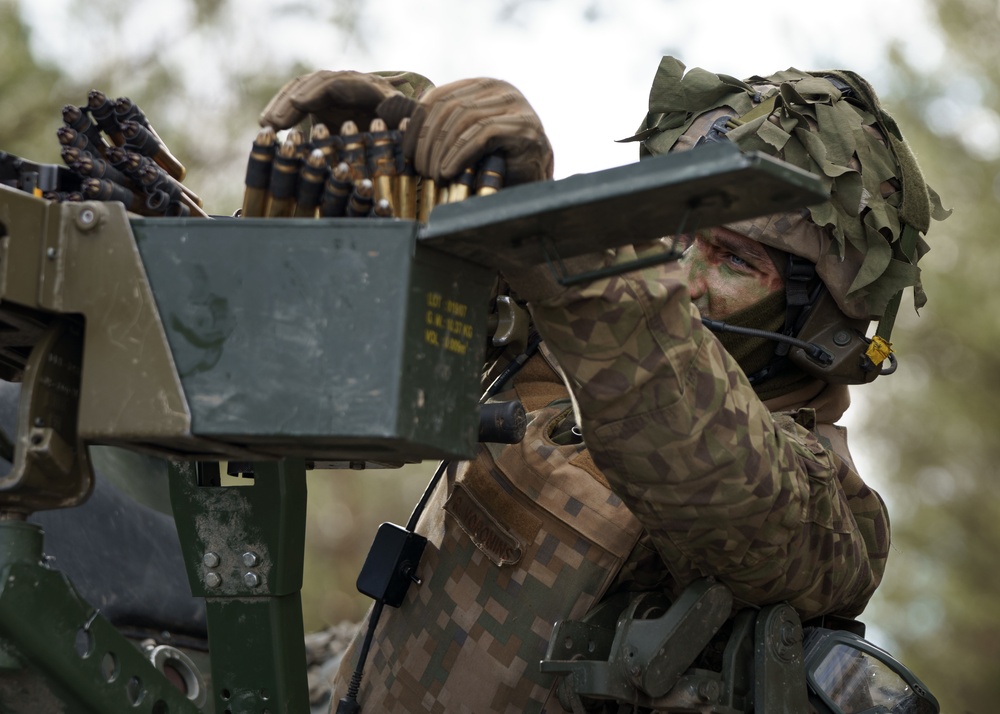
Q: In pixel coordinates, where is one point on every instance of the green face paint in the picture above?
(728, 272)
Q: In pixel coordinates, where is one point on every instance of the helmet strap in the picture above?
(800, 295)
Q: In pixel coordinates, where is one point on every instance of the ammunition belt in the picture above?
(114, 154)
(352, 173)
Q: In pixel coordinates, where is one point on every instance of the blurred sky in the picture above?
(586, 67)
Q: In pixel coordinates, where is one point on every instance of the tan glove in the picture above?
(456, 124)
(333, 97)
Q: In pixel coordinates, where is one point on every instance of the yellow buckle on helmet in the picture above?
(878, 350)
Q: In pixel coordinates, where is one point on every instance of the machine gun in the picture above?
(144, 333)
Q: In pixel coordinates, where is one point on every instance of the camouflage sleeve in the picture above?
(721, 486)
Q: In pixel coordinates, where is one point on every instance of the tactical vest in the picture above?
(521, 537)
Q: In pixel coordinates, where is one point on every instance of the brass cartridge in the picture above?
(258, 174)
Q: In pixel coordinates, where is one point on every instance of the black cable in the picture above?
(811, 348)
(349, 702)
(513, 368)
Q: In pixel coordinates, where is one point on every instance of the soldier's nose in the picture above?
(696, 283)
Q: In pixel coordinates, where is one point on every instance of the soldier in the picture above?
(657, 452)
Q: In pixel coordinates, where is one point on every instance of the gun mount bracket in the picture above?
(51, 467)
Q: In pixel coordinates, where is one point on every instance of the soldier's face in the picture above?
(728, 272)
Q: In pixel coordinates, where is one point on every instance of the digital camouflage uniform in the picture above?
(707, 482)
(684, 473)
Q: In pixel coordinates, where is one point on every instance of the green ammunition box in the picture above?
(331, 340)
(327, 339)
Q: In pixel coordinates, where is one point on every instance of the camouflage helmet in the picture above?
(865, 241)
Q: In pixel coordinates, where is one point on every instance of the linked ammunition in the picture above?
(311, 181)
(321, 138)
(382, 208)
(298, 139)
(491, 174)
(127, 110)
(284, 180)
(73, 138)
(381, 149)
(406, 178)
(161, 203)
(336, 192)
(104, 190)
(427, 198)
(63, 196)
(362, 199)
(157, 201)
(102, 110)
(461, 188)
(132, 164)
(70, 155)
(178, 210)
(136, 166)
(118, 157)
(258, 175)
(153, 178)
(352, 150)
(193, 205)
(145, 142)
(94, 167)
(77, 119)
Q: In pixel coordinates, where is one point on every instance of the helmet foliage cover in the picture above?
(844, 136)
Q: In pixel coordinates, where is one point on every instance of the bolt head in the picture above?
(790, 634)
(842, 338)
(86, 216)
(708, 691)
(250, 559)
(211, 560)
(251, 580)
(50, 253)
(213, 580)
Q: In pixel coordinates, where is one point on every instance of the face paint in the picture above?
(728, 272)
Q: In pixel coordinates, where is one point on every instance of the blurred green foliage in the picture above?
(209, 131)
(346, 509)
(932, 427)
(21, 77)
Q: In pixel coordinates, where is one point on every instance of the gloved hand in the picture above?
(333, 97)
(456, 124)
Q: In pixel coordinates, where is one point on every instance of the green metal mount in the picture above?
(243, 547)
(91, 667)
(643, 649)
(779, 663)
(643, 654)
